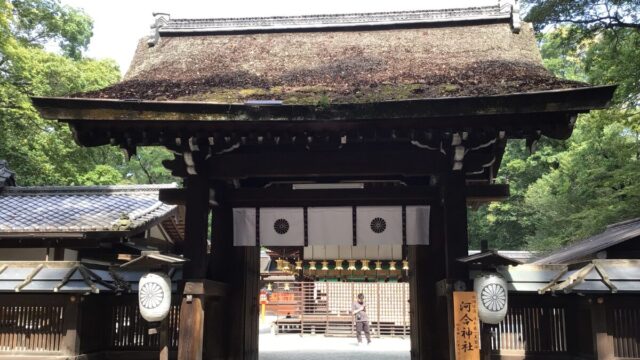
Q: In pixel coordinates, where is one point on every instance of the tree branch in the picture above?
(145, 170)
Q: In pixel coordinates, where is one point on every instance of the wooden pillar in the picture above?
(195, 249)
(238, 267)
(602, 340)
(71, 325)
(191, 333)
(485, 341)
(456, 245)
(163, 339)
(196, 227)
(427, 267)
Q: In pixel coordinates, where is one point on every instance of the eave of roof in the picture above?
(70, 277)
(595, 276)
(563, 100)
(490, 257)
(613, 235)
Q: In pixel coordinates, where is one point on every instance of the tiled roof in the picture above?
(84, 209)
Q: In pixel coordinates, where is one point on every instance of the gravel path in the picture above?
(319, 347)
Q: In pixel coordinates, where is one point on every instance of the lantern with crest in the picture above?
(154, 287)
(492, 297)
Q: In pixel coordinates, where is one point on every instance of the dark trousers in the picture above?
(360, 327)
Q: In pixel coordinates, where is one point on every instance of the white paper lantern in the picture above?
(154, 296)
(492, 298)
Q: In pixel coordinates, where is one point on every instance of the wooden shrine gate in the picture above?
(325, 307)
(417, 143)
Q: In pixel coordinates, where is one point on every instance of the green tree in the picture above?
(43, 152)
(594, 184)
(101, 175)
(146, 166)
(570, 190)
(590, 16)
(604, 34)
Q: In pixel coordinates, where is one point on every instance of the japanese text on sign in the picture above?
(467, 325)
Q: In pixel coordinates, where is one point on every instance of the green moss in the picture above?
(248, 93)
(449, 88)
(318, 95)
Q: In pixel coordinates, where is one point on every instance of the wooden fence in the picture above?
(531, 329)
(33, 324)
(536, 327)
(31, 328)
(623, 324)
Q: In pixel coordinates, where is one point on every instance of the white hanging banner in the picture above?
(244, 226)
(417, 221)
(282, 226)
(378, 225)
(330, 225)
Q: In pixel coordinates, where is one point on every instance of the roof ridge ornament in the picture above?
(7, 177)
(513, 7)
(159, 20)
(332, 21)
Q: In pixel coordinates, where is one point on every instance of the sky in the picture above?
(119, 24)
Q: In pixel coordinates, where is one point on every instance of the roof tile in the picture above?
(80, 209)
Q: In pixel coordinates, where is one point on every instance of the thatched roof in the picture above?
(455, 56)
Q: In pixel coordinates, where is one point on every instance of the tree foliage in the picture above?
(570, 190)
(603, 34)
(586, 15)
(43, 152)
(594, 184)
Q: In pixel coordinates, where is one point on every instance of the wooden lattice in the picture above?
(31, 328)
(325, 307)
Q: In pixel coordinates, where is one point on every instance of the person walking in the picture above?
(359, 310)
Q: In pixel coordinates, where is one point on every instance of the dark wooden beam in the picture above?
(313, 164)
(484, 193)
(206, 287)
(361, 164)
(396, 195)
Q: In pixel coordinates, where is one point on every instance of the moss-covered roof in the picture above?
(338, 65)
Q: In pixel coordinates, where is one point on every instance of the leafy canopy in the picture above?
(40, 151)
(570, 190)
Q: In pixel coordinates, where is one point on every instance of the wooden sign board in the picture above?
(467, 325)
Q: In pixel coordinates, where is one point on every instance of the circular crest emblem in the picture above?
(378, 225)
(151, 295)
(494, 297)
(281, 226)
